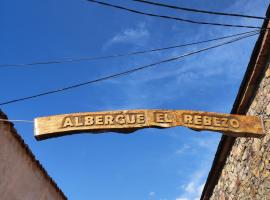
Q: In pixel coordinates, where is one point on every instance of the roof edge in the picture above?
(245, 95)
(31, 155)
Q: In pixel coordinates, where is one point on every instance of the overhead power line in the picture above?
(122, 55)
(172, 18)
(17, 120)
(125, 72)
(199, 11)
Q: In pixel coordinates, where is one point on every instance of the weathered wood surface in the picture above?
(128, 121)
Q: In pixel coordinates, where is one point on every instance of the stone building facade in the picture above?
(246, 174)
(21, 176)
(241, 168)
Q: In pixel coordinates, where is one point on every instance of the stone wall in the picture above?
(246, 174)
(21, 176)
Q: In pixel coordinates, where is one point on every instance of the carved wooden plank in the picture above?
(128, 121)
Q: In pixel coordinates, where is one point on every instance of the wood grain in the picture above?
(127, 121)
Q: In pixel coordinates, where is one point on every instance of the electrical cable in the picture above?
(198, 10)
(173, 18)
(125, 72)
(121, 55)
(16, 120)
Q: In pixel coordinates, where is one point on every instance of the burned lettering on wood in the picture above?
(161, 117)
(102, 120)
(204, 120)
(131, 120)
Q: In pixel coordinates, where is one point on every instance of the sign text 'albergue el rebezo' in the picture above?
(128, 121)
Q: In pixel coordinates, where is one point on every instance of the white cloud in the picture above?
(135, 35)
(183, 149)
(193, 188)
(152, 194)
(209, 143)
(190, 187)
(193, 191)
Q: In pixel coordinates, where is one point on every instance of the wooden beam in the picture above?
(128, 121)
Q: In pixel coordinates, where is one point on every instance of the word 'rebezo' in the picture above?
(224, 122)
(128, 121)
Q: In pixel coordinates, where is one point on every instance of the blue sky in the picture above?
(150, 164)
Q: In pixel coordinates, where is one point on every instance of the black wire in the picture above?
(200, 11)
(173, 18)
(122, 55)
(126, 72)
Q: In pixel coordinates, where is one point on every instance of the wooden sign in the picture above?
(128, 121)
